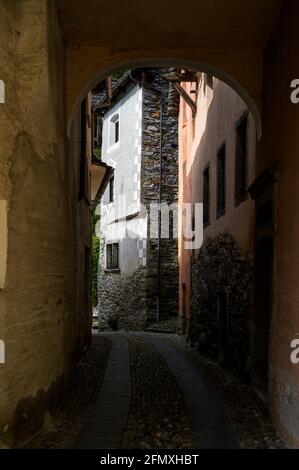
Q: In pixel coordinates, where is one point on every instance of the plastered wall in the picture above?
(280, 148)
(36, 247)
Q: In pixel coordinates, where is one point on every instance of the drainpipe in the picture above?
(160, 93)
(159, 212)
(109, 88)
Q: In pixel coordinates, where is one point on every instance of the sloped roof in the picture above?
(99, 99)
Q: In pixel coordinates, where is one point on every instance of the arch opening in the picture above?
(205, 140)
(169, 62)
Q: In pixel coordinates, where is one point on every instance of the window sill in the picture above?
(220, 214)
(113, 147)
(241, 199)
(115, 271)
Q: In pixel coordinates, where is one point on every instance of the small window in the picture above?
(114, 129)
(111, 189)
(241, 161)
(112, 256)
(210, 81)
(206, 195)
(221, 182)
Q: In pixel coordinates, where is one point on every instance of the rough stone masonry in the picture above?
(131, 301)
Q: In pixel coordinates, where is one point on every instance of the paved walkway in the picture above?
(210, 426)
(106, 423)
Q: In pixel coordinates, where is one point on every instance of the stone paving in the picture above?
(182, 395)
(253, 428)
(158, 416)
(152, 391)
(209, 424)
(106, 423)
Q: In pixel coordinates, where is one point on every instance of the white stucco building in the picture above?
(129, 279)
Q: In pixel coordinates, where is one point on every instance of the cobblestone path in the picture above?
(150, 391)
(158, 401)
(158, 416)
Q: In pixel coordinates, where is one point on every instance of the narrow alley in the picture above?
(149, 257)
(150, 391)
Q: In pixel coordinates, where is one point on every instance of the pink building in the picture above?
(216, 167)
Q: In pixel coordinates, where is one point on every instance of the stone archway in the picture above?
(227, 41)
(84, 72)
(37, 173)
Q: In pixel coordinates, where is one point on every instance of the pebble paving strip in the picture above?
(253, 429)
(62, 431)
(157, 418)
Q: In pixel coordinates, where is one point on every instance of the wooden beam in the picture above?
(181, 76)
(185, 97)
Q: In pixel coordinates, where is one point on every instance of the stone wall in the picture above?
(169, 194)
(221, 303)
(130, 301)
(122, 298)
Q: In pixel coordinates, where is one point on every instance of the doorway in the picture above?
(263, 192)
(263, 307)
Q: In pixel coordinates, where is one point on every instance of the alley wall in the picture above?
(37, 263)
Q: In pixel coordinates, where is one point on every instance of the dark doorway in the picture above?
(223, 328)
(263, 192)
(263, 306)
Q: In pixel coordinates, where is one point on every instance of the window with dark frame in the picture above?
(114, 129)
(112, 256)
(111, 189)
(206, 195)
(210, 81)
(221, 156)
(241, 161)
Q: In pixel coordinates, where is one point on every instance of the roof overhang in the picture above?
(100, 176)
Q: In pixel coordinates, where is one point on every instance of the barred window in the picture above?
(112, 256)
